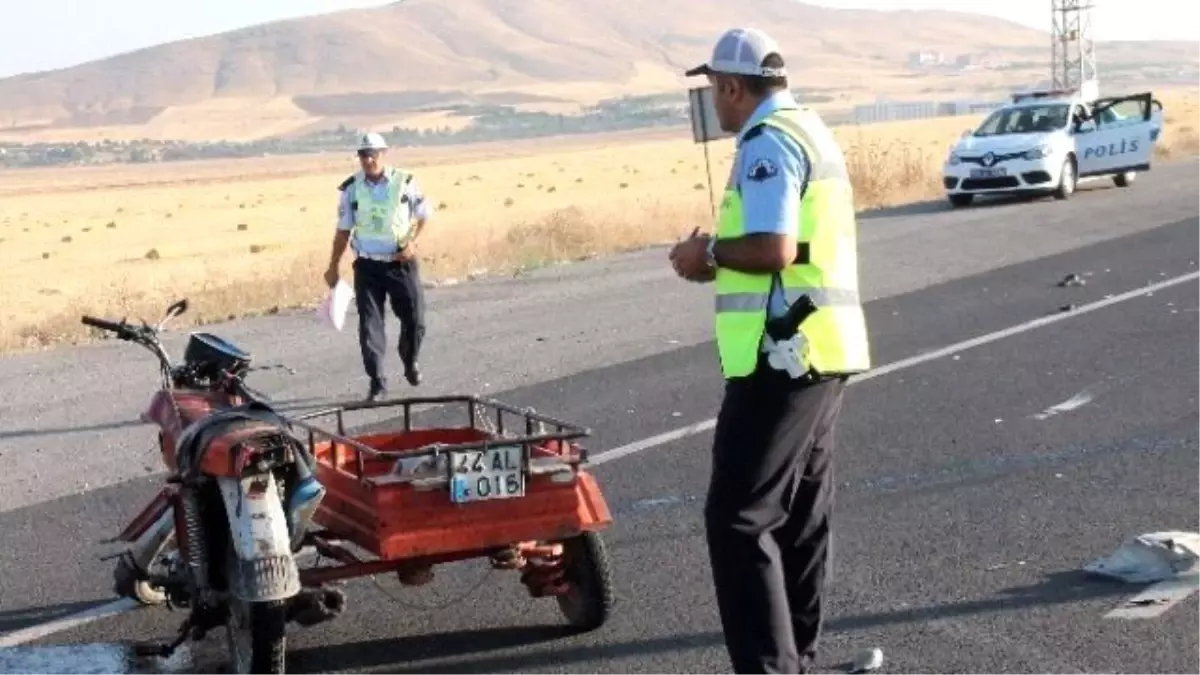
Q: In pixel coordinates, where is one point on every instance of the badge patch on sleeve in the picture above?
(762, 169)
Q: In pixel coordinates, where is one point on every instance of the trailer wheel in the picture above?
(588, 571)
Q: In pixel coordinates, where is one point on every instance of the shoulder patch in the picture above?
(761, 169)
(346, 183)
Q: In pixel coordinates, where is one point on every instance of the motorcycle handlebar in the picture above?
(102, 324)
(143, 336)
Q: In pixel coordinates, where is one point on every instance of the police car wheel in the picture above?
(1125, 179)
(1066, 181)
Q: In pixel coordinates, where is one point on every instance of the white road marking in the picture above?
(1077, 401)
(706, 425)
(16, 637)
(1157, 598)
(121, 606)
(113, 608)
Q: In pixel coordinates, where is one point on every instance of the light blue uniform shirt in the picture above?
(771, 170)
(417, 204)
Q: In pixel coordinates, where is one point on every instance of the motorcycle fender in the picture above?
(262, 566)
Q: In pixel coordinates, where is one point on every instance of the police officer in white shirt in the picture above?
(381, 214)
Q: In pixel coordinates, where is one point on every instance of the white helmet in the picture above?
(372, 141)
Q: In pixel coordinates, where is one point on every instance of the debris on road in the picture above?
(1150, 558)
(1071, 280)
(1077, 401)
(867, 660)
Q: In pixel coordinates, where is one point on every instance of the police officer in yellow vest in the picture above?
(381, 214)
(786, 230)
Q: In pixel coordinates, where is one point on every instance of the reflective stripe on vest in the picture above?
(833, 340)
(384, 220)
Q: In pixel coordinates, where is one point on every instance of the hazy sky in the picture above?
(46, 35)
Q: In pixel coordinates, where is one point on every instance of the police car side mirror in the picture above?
(965, 133)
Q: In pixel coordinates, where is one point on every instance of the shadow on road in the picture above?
(914, 209)
(936, 206)
(522, 648)
(466, 651)
(459, 652)
(1057, 588)
(16, 619)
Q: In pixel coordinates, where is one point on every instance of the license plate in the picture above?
(988, 173)
(479, 475)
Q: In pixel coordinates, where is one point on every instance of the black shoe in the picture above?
(413, 375)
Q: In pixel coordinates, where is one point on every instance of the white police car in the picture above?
(1047, 142)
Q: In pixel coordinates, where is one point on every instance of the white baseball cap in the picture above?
(741, 51)
(372, 141)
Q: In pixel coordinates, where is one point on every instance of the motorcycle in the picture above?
(221, 536)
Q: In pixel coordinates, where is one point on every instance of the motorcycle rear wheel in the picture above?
(256, 632)
(257, 636)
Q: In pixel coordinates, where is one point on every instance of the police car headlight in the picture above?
(1039, 152)
(954, 159)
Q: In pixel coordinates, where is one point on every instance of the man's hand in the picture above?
(331, 276)
(409, 252)
(690, 259)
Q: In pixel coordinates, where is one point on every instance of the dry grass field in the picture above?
(252, 236)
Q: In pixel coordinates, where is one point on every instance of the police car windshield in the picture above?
(1031, 119)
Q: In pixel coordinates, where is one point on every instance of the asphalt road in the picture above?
(965, 509)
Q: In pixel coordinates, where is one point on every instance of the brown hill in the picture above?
(382, 64)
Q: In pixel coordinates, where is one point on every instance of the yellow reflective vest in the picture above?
(387, 220)
(833, 340)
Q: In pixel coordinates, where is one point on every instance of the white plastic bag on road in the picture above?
(335, 305)
(1151, 557)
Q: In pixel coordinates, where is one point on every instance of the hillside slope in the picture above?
(398, 58)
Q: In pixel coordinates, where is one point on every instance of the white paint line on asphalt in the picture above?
(1157, 598)
(122, 606)
(114, 608)
(38, 631)
(706, 425)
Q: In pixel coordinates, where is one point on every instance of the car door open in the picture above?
(1121, 137)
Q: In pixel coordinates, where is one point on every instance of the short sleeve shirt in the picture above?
(771, 171)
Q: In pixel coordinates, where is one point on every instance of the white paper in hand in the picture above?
(335, 305)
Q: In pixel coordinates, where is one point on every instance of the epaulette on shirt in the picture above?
(345, 184)
(755, 131)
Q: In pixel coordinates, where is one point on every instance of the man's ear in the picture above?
(733, 88)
